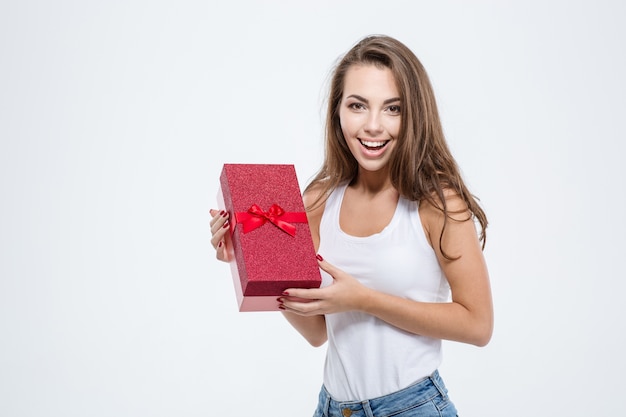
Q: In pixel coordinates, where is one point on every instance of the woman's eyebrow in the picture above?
(391, 100)
(366, 101)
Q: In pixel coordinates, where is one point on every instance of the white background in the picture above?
(116, 118)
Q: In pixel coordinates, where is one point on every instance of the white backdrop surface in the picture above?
(115, 120)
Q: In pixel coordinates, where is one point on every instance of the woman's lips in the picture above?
(373, 144)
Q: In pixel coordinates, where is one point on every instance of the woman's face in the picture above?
(369, 114)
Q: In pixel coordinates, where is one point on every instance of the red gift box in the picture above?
(272, 248)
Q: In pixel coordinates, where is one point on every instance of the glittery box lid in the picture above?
(268, 259)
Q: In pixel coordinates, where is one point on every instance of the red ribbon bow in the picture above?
(255, 217)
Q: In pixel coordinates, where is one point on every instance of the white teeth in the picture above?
(373, 144)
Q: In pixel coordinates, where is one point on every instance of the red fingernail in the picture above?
(285, 293)
(219, 245)
(225, 225)
(282, 307)
(319, 257)
(222, 212)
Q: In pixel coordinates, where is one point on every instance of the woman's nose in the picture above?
(373, 123)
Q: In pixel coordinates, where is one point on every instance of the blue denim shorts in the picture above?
(425, 398)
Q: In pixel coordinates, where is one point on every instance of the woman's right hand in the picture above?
(220, 234)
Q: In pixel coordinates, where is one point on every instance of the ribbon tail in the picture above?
(252, 224)
(286, 227)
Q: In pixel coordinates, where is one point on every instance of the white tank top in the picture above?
(367, 357)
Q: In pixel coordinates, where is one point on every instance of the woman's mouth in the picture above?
(373, 145)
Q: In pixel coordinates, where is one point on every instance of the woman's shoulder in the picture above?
(314, 199)
(431, 210)
(452, 201)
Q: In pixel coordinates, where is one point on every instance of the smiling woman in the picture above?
(402, 261)
(370, 115)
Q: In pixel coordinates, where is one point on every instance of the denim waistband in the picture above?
(412, 396)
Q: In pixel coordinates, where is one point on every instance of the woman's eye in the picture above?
(394, 109)
(356, 106)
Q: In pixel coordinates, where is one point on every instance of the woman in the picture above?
(395, 229)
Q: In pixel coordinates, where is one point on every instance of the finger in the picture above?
(222, 247)
(220, 227)
(220, 250)
(303, 309)
(219, 236)
(304, 293)
(218, 221)
(216, 215)
(330, 269)
(215, 212)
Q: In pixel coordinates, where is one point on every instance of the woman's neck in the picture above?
(372, 183)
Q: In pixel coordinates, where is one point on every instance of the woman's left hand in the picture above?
(344, 294)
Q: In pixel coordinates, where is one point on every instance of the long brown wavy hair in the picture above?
(421, 166)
